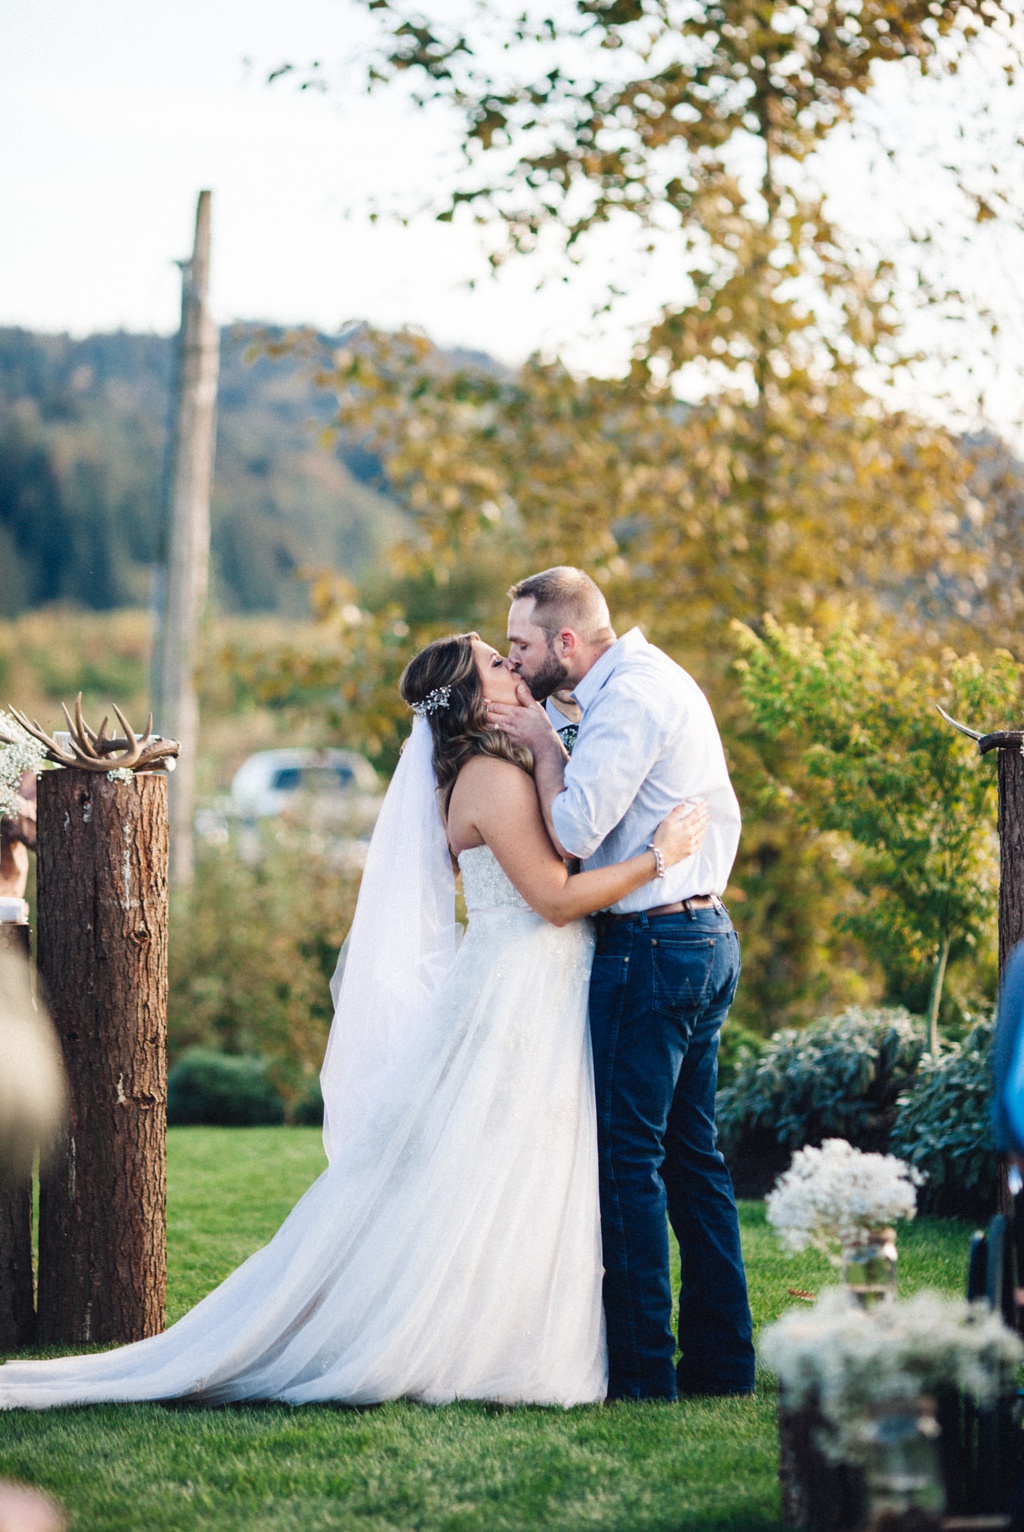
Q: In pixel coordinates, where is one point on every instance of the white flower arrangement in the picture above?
(849, 1361)
(831, 1197)
(19, 753)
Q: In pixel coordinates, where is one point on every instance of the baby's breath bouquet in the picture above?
(834, 1197)
(19, 753)
(849, 1362)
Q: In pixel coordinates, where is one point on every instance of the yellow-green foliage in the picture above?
(874, 763)
(47, 656)
(253, 948)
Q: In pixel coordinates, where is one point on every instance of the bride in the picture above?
(452, 1248)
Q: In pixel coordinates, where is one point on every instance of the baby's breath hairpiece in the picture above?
(432, 701)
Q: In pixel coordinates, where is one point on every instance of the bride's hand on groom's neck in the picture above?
(524, 721)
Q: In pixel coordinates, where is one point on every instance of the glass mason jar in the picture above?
(902, 1461)
(869, 1267)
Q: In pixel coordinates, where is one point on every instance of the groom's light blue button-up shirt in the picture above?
(647, 741)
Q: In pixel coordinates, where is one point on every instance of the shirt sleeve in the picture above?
(619, 741)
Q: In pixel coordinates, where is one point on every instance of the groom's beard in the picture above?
(551, 677)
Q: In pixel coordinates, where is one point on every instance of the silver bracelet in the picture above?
(659, 860)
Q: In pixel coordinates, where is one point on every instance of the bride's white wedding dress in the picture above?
(452, 1248)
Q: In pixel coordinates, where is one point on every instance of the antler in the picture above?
(95, 752)
(999, 739)
(971, 733)
(36, 730)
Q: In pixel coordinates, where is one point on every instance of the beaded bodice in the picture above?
(484, 884)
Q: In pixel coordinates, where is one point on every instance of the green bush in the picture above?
(222, 1089)
(738, 1046)
(942, 1127)
(840, 1077)
(308, 1111)
(252, 950)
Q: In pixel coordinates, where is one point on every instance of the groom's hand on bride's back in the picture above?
(527, 722)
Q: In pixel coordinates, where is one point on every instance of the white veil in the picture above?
(401, 945)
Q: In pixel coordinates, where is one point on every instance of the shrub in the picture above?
(253, 947)
(738, 1046)
(942, 1127)
(840, 1077)
(308, 1111)
(224, 1089)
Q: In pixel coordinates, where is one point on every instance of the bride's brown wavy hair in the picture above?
(461, 729)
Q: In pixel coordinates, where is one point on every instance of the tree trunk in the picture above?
(102, 941)
(17, 1300)
(935, 997)
(1011, 851)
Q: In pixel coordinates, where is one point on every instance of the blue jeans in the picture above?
(659, 993)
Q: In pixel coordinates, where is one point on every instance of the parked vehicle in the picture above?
(330, 796)
(327, 785)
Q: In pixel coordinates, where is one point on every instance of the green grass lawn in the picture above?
(628, 1468)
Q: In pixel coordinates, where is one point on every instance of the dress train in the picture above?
(451, 1249)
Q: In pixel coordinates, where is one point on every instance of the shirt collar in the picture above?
(602, 669)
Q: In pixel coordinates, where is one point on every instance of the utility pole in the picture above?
(186, 550)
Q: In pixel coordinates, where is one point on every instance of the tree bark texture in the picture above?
(17, 1299)
(1011, 851)
(102, 944)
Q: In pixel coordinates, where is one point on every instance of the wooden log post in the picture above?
(17, 1296)
(1011, 849)
(102, 945)
(17, 1299)
(1010, 745)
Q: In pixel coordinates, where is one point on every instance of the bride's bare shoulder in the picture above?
(488, 791)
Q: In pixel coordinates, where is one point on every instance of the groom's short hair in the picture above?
(565, 597)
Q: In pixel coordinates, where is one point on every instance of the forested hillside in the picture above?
(83, 426)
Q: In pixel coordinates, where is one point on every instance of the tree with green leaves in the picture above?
(749, 432)
(876, 763)
(749, 458)
(747, 461)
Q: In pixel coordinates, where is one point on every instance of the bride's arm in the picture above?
(498, 801)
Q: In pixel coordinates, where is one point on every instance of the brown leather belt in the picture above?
(680, 907)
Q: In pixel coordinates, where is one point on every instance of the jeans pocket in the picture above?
(682, 968)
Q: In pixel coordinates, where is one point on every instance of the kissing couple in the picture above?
(513, 1121)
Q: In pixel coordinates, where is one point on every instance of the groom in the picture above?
(664, 975)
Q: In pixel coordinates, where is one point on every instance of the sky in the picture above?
(115, 113)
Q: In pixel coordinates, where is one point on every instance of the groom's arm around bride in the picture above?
(665, 971)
